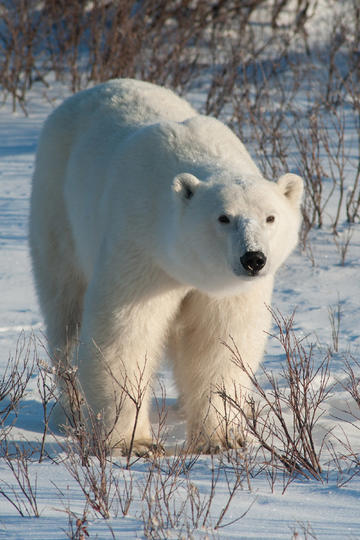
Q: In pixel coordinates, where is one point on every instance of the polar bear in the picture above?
(153, 230)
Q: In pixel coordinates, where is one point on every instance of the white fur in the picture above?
(128, 250)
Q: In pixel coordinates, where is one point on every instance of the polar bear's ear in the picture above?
(185, 185)
(292, 186)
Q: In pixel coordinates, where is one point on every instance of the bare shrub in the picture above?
(322, 163)
(74, 404)
(14, 381)
(94, 477)
(90, 463)
(352, 369)
(77, 523)
(95, 41)
(79, 529)
(312, 170)
(306, 531)
(87, 449)
(320, 131)
(22, 495)
(46, 385)
(156, 41)
(173, 501)
(18, 33)
(351, 86)
(344, 455)
(285, 418)
(342, 242)
(345, 458)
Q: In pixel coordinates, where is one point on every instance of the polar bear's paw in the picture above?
(145, 448)
(216, 445)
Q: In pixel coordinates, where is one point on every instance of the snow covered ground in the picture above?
(314, 285)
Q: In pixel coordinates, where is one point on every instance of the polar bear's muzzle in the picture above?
(253, 262)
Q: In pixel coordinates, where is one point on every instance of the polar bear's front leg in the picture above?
(204, 366)
(121, 342)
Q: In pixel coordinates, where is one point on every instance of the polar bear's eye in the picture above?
(270, 219)
(223, 219)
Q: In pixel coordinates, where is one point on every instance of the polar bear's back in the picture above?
(121, 102)
(143, 103)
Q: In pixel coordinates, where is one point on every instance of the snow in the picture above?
(311, 283)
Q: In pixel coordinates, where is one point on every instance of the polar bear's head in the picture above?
(229, 232)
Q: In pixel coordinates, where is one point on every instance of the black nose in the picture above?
(253, 262)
